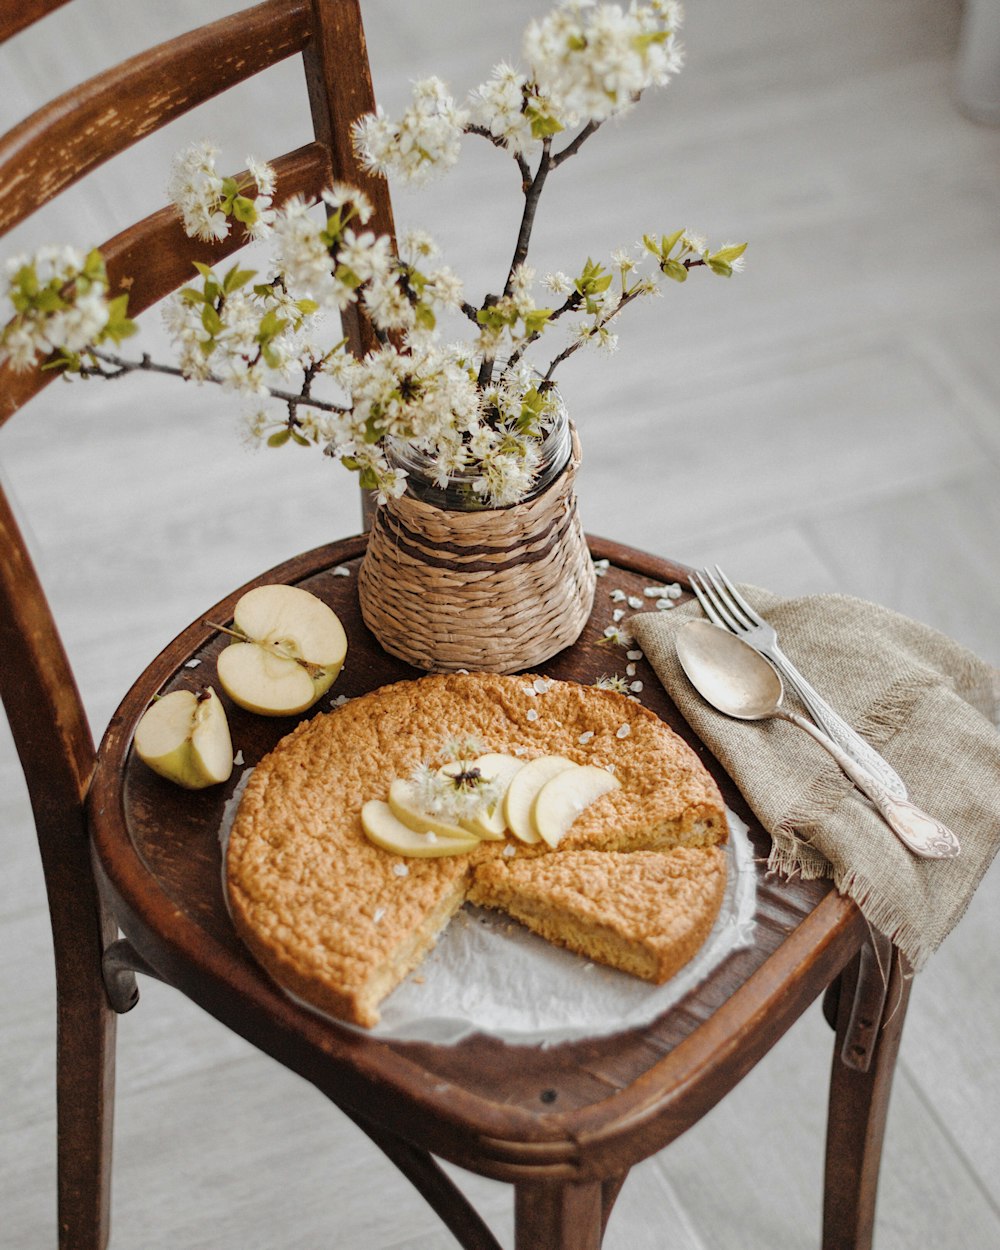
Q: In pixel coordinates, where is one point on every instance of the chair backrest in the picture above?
(45, 155)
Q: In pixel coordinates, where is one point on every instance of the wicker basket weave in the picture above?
(491, 591)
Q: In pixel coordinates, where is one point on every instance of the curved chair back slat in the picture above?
(154, 257)
(86, 126)
(18, 17)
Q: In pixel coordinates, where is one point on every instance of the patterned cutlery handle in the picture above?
(837, 728)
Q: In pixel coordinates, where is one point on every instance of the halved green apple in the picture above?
(489, 823)
(382, 827)
(185, 737)
(287, 650)
(523, 790)
(565, 796)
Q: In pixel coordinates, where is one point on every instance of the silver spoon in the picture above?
(735, 679)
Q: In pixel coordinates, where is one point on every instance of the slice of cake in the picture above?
(644, 912)
(339, 921)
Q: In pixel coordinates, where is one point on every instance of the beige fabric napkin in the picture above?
(926, 703)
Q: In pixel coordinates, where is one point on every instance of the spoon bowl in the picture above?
(739, 682)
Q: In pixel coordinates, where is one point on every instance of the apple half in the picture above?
(287, 650)
(385, 830)
(565, 796)
(523, 790)
(184, 736)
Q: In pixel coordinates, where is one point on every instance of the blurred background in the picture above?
(827, 420)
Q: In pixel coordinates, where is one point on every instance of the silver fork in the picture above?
(724, 605)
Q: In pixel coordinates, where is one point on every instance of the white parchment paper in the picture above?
(488, 974)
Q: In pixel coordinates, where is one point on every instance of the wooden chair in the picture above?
(126, 854)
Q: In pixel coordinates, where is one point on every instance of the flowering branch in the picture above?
(585, 63)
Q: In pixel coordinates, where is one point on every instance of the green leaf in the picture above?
(244, 210)
(203, 269)
(674, 269)
(280, 437)
(237, 278)
(424, 317)
(211, 320)
(535, 320)
(729, 254)
(722, 267)
(271, 325)
(368, 479)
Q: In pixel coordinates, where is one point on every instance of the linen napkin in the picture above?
(927, 704)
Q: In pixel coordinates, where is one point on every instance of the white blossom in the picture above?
(594, 60)
(426, 140)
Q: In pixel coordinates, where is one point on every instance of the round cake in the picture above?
(636, 882)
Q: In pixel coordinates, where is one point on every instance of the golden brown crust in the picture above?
(337, 920)
(646, 912)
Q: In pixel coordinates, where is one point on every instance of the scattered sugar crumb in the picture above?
(633, 655)
(532, 713)
(401, 870)
(540, 685)
(238, 757)
(341, 571)
(629, 670)
(618, 596)
(585, 737)
(618, 614)
(509, 851)
(635, 687)
(623, 731)
(431, 836)
(379, 913)
(192, 663)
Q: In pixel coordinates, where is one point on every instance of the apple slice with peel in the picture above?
(489, 823)
(287, 649)
(383, 828)
(562, 799)
(523, 790)
(405, 806)
(185, 737)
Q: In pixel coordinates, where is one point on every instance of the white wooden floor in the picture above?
(830, 420)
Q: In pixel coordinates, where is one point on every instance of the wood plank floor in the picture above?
(829, 420)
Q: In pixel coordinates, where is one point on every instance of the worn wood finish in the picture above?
(154, 257)
(563, 1124)
(57, 754)
(15, 17)
(40, 158)
(76, 133)
(607, 1102)
(859, 1104)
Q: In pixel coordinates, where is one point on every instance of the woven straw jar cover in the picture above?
(494, 591)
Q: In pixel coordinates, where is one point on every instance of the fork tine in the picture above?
(708, 606)
(722, 588)
(713, 603)
(753, 615)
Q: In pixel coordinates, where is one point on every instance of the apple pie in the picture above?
(636, 882)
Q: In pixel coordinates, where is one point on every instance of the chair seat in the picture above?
(581, 1110)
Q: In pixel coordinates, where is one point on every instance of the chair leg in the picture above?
(871, 1008)
(85, 1063)
(558, 1215)
(437, 1189)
